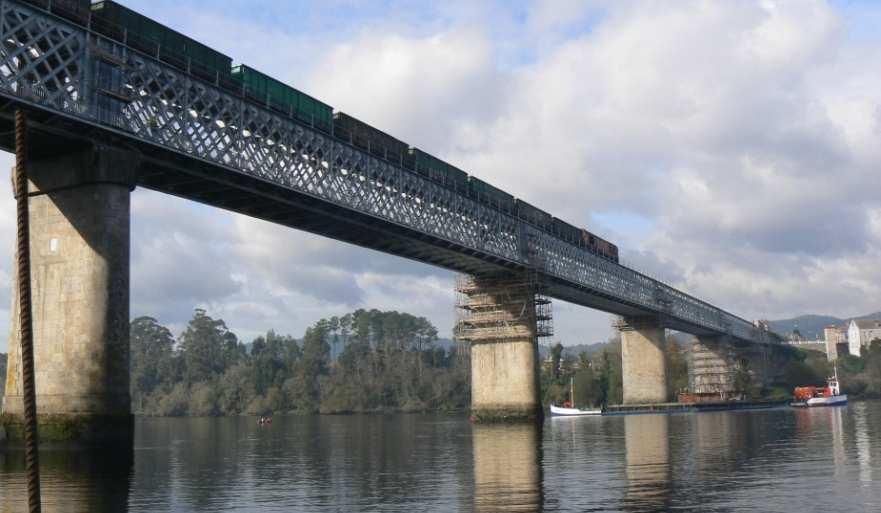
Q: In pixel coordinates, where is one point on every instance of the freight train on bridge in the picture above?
(154, 39)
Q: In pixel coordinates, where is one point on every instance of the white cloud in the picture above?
(424, 90)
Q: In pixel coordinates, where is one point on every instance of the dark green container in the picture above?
(350, 129)
(283, 98)
(456, 179)
(265, 89)
(438, 170)
(566, 231)
(428, 165)
(534, 216)
(151, 37)
(74, 10)
(314, 111)
(485, 193)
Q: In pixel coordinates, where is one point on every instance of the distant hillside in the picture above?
(811, 326)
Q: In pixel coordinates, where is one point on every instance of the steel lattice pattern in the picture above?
(60, 66)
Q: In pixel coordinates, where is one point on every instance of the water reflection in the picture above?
(772, 461)
(312, 463)
(824, 428)
(647, 454)
(716, 444)
(836, 422)
(507, 468)
(72, 481)
(863, 443)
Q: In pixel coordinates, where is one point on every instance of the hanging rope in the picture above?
(32, 465)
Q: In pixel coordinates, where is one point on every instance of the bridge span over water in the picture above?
(106, 117)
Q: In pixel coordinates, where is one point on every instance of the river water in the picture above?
(783, 460)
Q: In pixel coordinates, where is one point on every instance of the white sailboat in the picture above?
(559, 411)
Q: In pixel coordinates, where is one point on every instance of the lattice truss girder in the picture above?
(52, 63)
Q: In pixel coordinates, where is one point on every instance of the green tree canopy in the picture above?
(208, 347)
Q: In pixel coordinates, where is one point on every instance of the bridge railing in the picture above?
(60, 66)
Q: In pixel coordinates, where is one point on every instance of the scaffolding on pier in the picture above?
(713, 370)
(502, 307)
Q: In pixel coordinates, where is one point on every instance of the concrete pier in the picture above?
(644, 364)
(79, 225)
(713, 367)
(501, 324)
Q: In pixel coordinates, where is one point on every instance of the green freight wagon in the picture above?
(437, 170)
(265, 89)
(350, 129)
(155, 39)
(425, 164)
(456, 179)
(485, 193)
(282, 97)
(534, 216)
(315, 112)
(73, 10)
(566, 231)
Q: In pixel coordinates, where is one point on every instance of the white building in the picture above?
(860, 333)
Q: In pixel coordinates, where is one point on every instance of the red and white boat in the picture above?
(830, 395)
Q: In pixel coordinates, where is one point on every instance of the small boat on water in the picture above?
(559, 411)
(830, 395)
(568, 409)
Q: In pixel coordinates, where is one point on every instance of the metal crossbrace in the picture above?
(54, 64)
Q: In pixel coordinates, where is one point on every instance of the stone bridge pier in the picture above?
(79, 244)
(716, 367)
(722, 367)
(502, 318)
(643, 360)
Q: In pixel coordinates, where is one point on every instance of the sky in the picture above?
(732, 149)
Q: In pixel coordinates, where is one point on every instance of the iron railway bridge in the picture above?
(200, 141)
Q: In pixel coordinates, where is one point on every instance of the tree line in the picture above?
(374, 361)
(596, 377)
(383, 361)
(860, 376)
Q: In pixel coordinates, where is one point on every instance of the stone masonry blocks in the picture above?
(79, 243)
(504, 351)
(644, 365)
(713, 367)
(503, 380)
